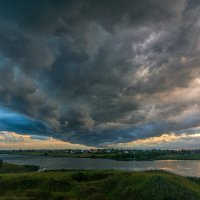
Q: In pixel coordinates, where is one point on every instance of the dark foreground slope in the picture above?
(12, 168)
(99, 185)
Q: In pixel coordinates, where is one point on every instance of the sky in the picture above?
(99, 73)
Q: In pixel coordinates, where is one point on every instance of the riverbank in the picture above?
(98, 185)
(13, 168)
(119, 155)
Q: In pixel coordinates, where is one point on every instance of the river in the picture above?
(181, 167)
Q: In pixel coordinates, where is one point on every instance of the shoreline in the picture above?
(189, 157)
(181, 167)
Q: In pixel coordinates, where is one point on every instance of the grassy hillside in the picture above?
(99, 185)
(7, 168)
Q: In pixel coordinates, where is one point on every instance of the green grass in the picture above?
(99, 185)
(179, 157)
(119, 155)
(12, 168)
(69, 155)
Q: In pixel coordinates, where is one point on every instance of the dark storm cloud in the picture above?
(100, 72)
(15, 122)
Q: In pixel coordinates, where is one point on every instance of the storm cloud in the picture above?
(97, 72)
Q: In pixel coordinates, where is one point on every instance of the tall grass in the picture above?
(99, 185)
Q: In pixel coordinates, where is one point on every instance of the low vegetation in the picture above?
(12, 168)
(98, 185)
(115, 154)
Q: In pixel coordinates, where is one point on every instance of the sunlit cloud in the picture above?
(12, 140)
(165, 141)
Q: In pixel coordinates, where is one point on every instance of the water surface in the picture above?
(181, 167)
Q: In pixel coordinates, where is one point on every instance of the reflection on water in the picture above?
(182, 167)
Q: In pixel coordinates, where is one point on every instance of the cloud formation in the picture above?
(12, 140)
(101, 72)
